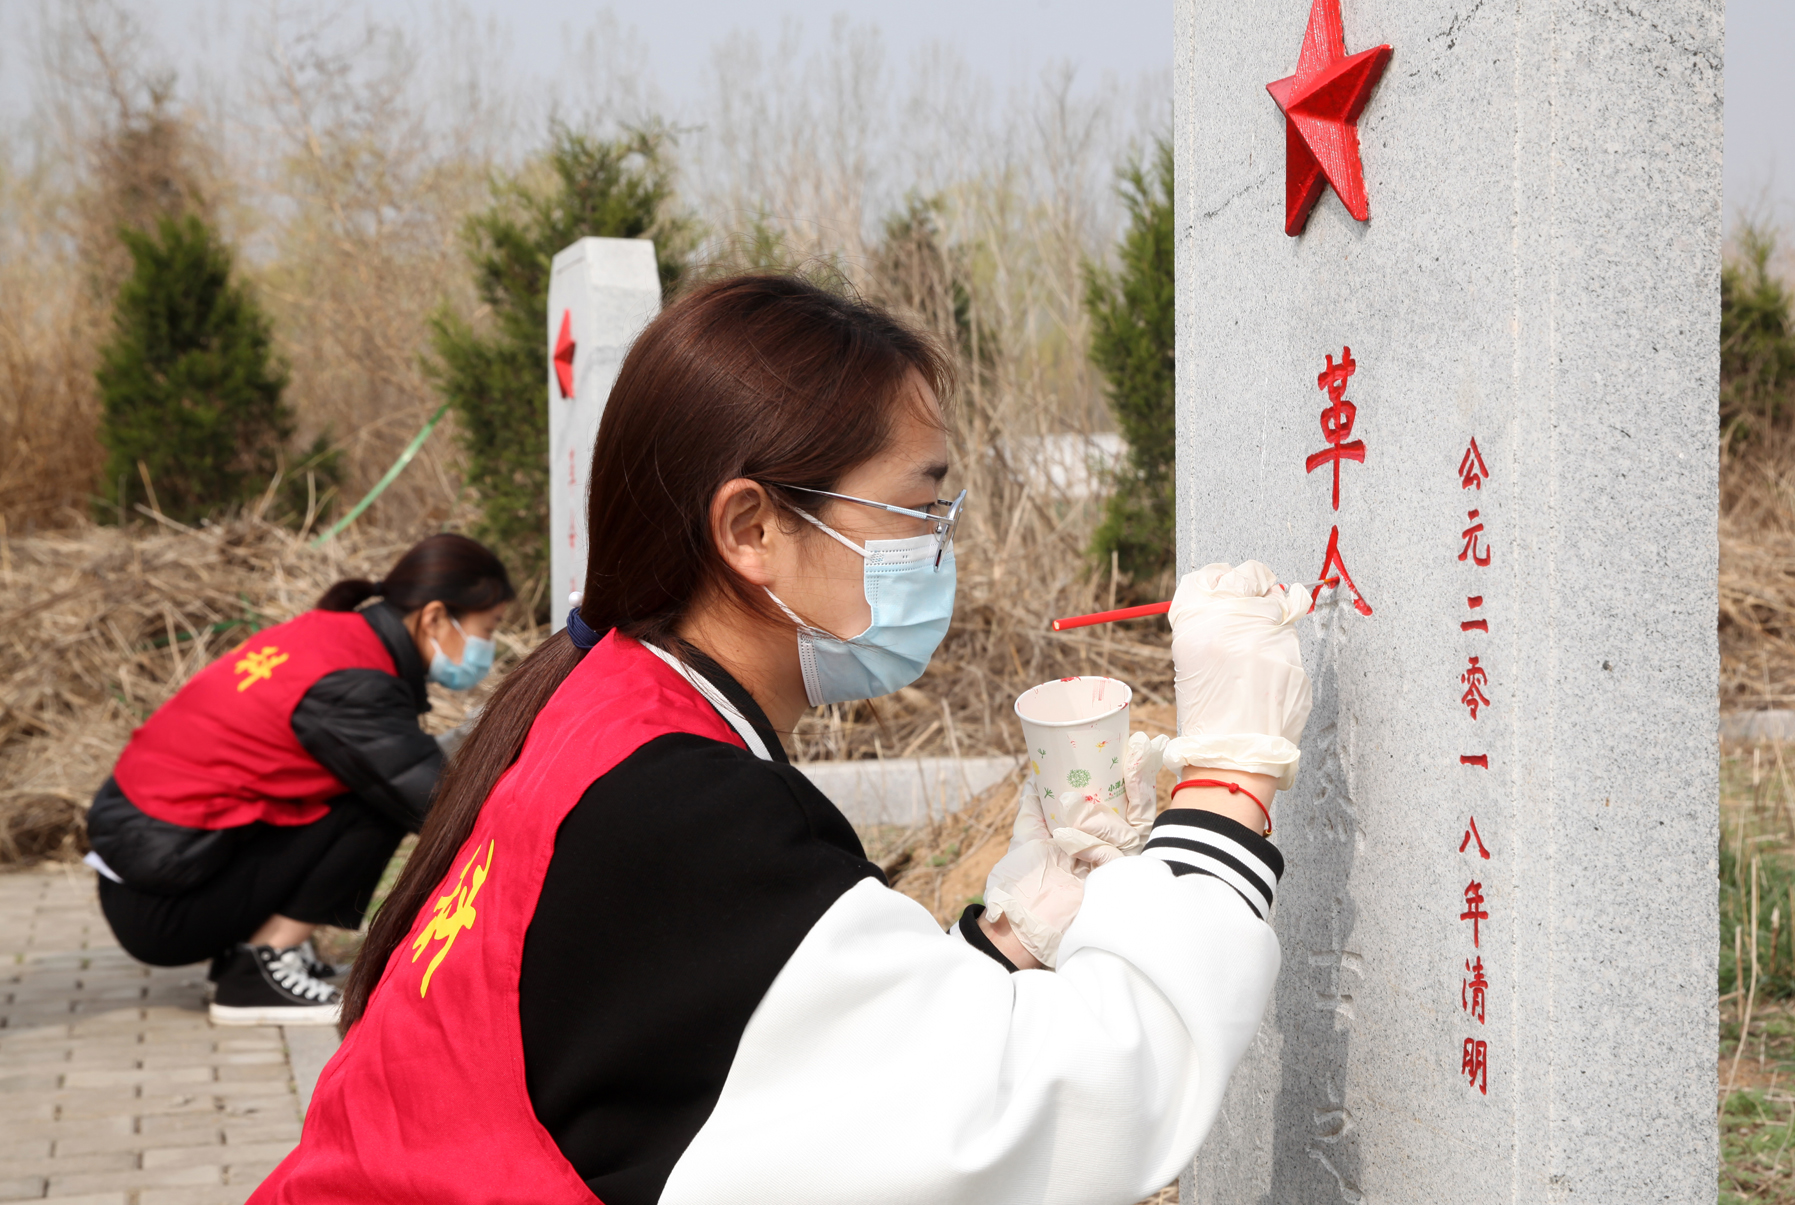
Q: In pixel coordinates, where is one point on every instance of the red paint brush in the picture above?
(1158, 608)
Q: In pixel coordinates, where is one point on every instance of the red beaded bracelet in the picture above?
(1233, 788)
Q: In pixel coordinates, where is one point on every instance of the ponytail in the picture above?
(495, 742)
(349, 594)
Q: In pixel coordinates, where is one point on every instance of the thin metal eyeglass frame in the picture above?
(944, 524)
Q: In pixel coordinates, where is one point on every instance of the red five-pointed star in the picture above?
(1321, 105)
(564, 348)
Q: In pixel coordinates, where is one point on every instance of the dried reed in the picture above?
(1757, 574)
(50, 455)
(368, 177)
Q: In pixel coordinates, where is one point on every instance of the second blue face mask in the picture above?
(465, 674)
(912, 604)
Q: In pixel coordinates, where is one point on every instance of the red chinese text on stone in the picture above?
(1331, 567)
(1475, 1065)
(1471, 835)
(1474, 910)
(1472, 990)
(1474, 545)
(1474, 678)
(1471, 473)
(1337, 420)
(1474, 625)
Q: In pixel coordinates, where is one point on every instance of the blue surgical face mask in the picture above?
(912, 602)
(465, 674)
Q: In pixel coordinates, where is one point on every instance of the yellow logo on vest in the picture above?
(259, 666)
(453, 913)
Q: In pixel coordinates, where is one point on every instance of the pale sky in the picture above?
(1009, 41)
(1760, 116)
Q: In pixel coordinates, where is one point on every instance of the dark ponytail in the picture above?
(766, 377)
(348, 594)
(462, 574)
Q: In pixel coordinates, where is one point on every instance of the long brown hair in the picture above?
(765, 377)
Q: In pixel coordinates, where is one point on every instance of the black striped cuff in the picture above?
(972, 935)
(1192, 841)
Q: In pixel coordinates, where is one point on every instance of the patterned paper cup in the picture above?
(1076, 729)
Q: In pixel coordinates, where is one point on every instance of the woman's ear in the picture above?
(422, 622)
(744, 524)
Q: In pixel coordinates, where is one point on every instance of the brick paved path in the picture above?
(114, 1088)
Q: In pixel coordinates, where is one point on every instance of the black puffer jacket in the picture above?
(361, 725)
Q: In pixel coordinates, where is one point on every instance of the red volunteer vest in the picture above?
(222, 753)
(426, 1098)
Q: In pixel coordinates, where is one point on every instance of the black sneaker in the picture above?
(260, 985)
(316, 967)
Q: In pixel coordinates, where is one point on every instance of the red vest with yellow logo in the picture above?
(426, 1099)
(222, 752)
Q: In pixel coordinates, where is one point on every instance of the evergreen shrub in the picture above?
(1757, 348)
(1131, 310)
(190, 389)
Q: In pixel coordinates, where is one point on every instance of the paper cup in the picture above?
(1076, 729)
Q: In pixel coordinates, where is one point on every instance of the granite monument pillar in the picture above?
(1448, 326)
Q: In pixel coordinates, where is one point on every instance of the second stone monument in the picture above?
(601, 293)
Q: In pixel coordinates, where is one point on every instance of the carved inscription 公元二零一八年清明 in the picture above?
(1475, 554)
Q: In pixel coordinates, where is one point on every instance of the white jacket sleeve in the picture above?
(890, 1064)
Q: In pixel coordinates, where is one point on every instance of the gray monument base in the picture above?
(906, 791)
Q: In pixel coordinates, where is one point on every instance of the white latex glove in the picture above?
(1243, 697)
(1038, 885)
(1099, 832)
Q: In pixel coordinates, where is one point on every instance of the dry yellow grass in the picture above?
(1757, 575)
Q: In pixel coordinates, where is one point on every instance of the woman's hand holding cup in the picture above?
(1036, 889)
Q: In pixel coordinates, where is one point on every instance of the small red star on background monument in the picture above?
(1321, 105)
(564, 349)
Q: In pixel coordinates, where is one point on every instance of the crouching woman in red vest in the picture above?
(638, 957)
(266, 797)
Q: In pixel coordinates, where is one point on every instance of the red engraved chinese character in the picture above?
(1471, 473)
(1337, 420)
(1473, 542)
(1476, 1065)
(1474, 625)
(1471, 835)
(1331, 567)
(1471, 991)
(1474, 910)
(1474, 677)
(1481, 760)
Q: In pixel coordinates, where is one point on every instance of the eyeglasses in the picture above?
(943, 524)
